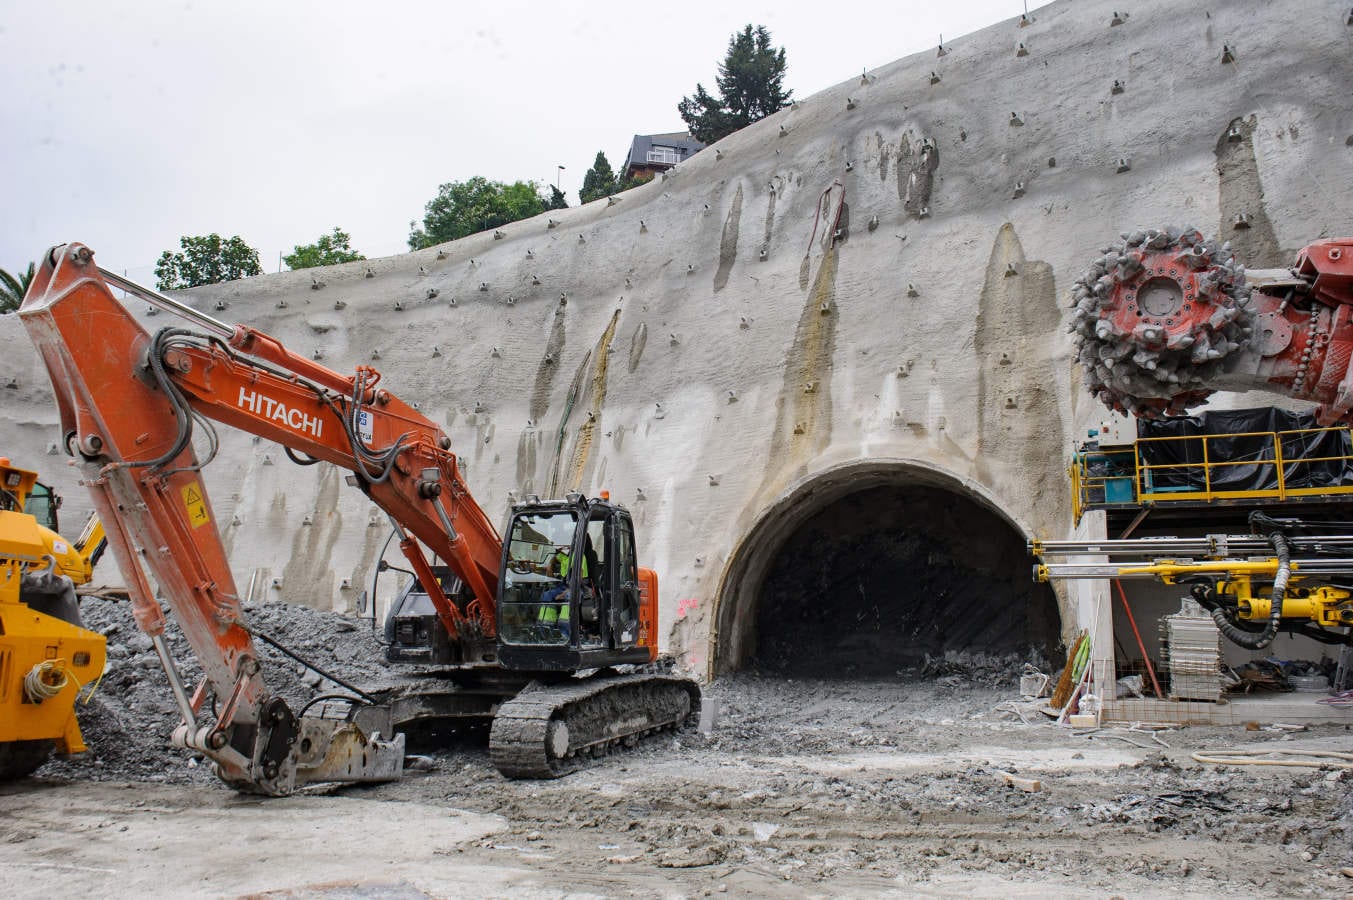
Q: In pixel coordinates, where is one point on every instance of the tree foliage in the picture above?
(464, 207)
(330, 250)
(206, 259)
(599, 181)
(750, 83)
(12, 289)
(556, 200)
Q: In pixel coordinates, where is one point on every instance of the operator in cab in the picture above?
(554, 608)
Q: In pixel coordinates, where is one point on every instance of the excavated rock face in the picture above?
(885, 579)
(1157, 317)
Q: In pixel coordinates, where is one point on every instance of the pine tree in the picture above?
(751, 87)
(599, 181)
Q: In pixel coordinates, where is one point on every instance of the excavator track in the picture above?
(549, 731)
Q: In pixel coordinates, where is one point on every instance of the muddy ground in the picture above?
(801, 788)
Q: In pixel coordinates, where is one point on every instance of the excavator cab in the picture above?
(572, 595)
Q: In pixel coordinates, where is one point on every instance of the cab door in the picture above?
(625, 596)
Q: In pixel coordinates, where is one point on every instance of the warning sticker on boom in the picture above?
(365, 426)
(196, 504)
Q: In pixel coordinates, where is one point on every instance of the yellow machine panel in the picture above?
(45, 660)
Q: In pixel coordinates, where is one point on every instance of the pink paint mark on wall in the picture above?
(686, 606)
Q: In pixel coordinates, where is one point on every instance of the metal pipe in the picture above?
(1179, 567)
(175, 683)
(168, 304)
(1212, 545)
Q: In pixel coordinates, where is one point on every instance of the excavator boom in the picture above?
(129, 403)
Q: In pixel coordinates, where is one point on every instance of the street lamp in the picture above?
(557, 177)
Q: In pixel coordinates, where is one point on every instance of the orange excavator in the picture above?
(552, 633)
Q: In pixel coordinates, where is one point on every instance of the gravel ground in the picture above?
(811, 788)
(128, 721)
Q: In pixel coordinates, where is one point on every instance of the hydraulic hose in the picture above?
(1251, 641)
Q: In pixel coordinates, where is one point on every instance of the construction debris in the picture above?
(131, 714)
(1028, 785)
(1191, 647)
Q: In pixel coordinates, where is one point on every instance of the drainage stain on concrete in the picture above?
(526, 460)
(594, 400)
(770, 216)
(586, 398)
(561, 433)
(831, 208)
(547, 370)
(308, 578)
(803, 420)
(1242, 193)
(885, 153)
(916, 175)
(637, 342)
(1015, 342)
(728, 244)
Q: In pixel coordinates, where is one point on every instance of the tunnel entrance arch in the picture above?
(863, 569)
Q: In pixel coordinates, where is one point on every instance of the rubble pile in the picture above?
(957, 667)
(131, 713)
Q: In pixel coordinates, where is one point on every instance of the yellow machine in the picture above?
(1305, 568)
(46, 657)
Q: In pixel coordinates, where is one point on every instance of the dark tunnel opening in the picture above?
(872, 582)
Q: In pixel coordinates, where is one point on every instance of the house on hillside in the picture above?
(653, 153)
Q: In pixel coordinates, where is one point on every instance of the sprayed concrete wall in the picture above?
(873, 280)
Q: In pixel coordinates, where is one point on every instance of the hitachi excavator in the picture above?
(560, 657)
(47, 657)
(1163, 318)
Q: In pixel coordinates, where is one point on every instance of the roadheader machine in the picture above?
(1164, 318)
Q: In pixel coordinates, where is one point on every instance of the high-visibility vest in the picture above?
(566, 562)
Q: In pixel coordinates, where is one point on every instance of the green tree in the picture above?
(329, 250)
(464, 207)
(557, 200)
(12, 289)
(751, 87)
(206, 259)
(600, 180)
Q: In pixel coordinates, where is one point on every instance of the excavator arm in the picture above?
(130, 403)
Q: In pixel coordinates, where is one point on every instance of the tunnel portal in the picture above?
(866, 579)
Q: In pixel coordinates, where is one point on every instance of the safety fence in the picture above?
(1193, 468)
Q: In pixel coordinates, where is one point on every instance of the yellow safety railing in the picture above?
(1120, 475)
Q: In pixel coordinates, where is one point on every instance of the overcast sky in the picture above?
(128, 124)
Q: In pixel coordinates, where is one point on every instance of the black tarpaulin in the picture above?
(1247, 459)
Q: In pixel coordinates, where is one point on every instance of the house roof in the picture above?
(683, 143)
